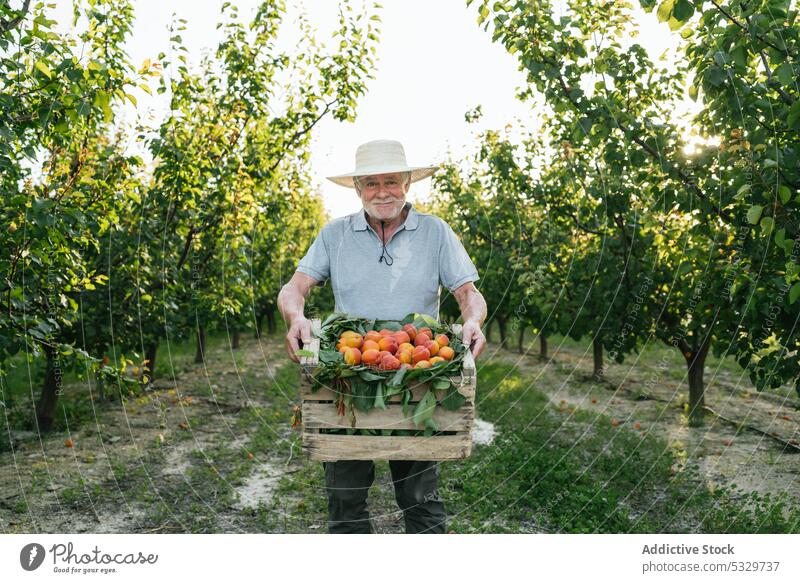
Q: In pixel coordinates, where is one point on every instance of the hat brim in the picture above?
(417, 173)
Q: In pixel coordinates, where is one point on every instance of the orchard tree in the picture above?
(54, 197)
(743, 58)
(630, 103)
(237, 127)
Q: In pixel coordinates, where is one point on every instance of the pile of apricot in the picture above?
(391, 350)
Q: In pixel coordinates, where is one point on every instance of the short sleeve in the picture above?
(317, 261)
(455, 266)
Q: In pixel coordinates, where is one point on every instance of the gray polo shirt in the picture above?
(426, 253)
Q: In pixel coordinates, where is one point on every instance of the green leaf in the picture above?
(397, 379)
(743, 190)
(754, 213)
(683, 10)
(330, 356)
(784, 74)
(303, 352)
(793, 119)
(369, 376)
(794, 293)
(392, 325)
(379, 403)
(363, 394)
(784, 193)
(442, 384)
(664, 10)
(44, 69)
(425, 409)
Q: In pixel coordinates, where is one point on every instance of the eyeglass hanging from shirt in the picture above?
(385, 256)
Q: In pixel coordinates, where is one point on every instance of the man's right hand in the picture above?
(299, 331)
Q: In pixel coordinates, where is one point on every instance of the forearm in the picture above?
(291, 304)
(473, 308)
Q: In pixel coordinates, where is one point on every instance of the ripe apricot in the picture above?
(372, 335)
(389, 344)
(405, 356)
(386, 332)
(342, 347)
(420, 353)
(371, 356)
(446, 352)
(436, 359)
(442, 339)
(352, 356)
(385, 352)
(433, 347)
(427, 331)
(406, 346)
(370, 345)
(389, 362)
(423, 364)
(411, 330)
(421, 339)
(402, 336)
(348, 333)
(353, 341)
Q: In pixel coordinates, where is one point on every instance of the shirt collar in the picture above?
(412, 220)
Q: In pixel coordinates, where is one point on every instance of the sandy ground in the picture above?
(725, 452)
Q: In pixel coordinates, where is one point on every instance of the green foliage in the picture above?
(101, 250)
(683, 220)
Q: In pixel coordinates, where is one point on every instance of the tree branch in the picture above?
(787, 99)
(6, 26)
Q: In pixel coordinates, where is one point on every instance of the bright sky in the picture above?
(433, 64)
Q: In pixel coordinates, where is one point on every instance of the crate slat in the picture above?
(320, 446)
(323, 415)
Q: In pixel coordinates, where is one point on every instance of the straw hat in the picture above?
(382, 157)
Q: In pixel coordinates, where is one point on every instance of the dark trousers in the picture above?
(415, 488)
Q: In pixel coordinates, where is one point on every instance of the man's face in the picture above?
(383, 195)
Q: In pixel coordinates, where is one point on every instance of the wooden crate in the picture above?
(319, 413)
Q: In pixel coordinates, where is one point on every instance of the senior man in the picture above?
(384, 262)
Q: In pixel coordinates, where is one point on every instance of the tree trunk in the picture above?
(5, 395)
(152, 349)
(488, 332)
(597, 349)
(542, 346)
(521, 339)
(235, 339)
(45, 409)
(100, 385)
(272, 325)
(501, 325)
(696, 363)
(199, 356)
(259, 322)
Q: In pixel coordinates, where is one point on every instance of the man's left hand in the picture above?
(473, 337)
